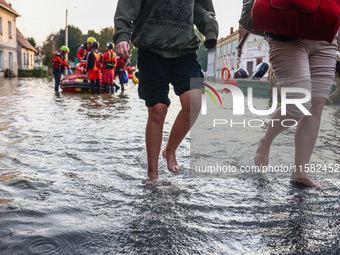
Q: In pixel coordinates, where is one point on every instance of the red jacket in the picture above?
(82, 52)
(109, 59)
(58, 62)
(120, 62)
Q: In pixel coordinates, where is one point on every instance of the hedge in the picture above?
(36, 72)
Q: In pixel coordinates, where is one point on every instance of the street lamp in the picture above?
(66, 32)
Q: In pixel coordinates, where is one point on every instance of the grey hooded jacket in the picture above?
(166, 27)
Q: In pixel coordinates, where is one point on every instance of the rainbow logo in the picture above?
(209, 93)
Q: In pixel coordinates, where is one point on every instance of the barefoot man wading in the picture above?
(164, 33)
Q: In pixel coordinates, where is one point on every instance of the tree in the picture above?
(49, 48)
(133, 55)
(32, 41)
(104, 37)
(74, 40)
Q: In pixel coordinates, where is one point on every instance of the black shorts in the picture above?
(155, 74)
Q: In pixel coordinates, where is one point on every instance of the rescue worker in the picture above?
(94, 66)
(109, 62)
(84, 50)
(59, 64)
(119, 71)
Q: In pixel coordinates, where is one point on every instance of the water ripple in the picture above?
(73, 181)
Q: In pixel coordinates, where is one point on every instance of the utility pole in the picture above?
(66, 34)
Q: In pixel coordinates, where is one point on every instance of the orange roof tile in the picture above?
(24, 42)
(8, 7)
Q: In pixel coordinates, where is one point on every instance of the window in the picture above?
(250, 66)
(258, 61)
(229, 49)
(0, 26)
(1, 60)
(11, 61)
(9, 29)
(234, 47)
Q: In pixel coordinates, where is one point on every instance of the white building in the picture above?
(211, 63)
(226, 53)
(8, 39)
(254, 50)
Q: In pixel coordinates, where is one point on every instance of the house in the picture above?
(26, 53)
(254, 50)
(8, 39)
(227, 53)
(211, 64)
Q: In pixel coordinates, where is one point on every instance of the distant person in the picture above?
(84, 50)
(119, 71)
(109, 62)
(59, 65)
(165, 36)
(94, 67)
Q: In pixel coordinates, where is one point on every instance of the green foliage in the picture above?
(74, 34)
(202, 53)
(32, 41)
(36, 72)
(133, 55)
(202, 57)
(104, 37)
(75, 38)
(47, 61)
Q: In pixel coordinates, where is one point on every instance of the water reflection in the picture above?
(293, 221)
(102, 106)
(71, 182)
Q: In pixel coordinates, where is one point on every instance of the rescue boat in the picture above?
(78, 83)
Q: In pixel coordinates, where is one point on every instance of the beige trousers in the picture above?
(304, 64)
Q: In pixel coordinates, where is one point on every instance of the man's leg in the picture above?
(191, 105)
(57, 77)
(121, 79)
(153, 137)
(92, 86)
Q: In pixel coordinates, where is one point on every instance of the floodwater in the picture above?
(72, 181)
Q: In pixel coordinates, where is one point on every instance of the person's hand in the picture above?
(122, 49)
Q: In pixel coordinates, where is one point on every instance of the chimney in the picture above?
(231, 30)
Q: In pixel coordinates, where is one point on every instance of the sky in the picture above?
(39, 18)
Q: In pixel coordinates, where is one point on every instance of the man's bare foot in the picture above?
(309, 182)
(156, 182)
(152, 176)
(303, 178)
(171, 161)
(262, 154)
(150, 181)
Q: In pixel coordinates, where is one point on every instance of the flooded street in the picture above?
(72, 171)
